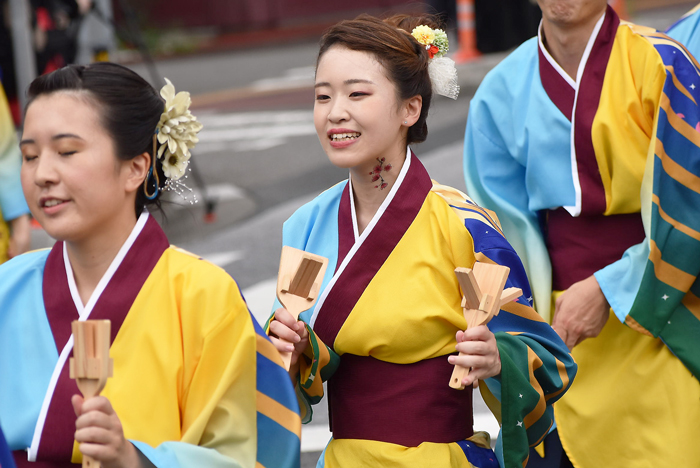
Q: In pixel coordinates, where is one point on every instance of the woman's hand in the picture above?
(289, 336)
(100, 435)
(480, 352)
(580, 312)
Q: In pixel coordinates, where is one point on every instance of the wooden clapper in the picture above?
(299, 283)
(483, 298)
(90, 365)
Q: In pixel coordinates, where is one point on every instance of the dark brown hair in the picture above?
(403, 57)
(129, 108)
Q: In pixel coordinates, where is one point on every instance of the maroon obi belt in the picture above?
(580, 246)
(404, 404)
(21, 461)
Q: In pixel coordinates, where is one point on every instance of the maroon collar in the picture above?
(561, 93)
(590, 88)
(374, 251)
(114, 304)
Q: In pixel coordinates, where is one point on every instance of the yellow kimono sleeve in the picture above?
(204, 360)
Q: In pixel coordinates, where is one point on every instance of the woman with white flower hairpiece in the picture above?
(388, 323)
(196, 382)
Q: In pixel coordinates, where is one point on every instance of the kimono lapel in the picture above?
(346, 230)
(578, 100)
(559, 86)
(360, 263)
(586, 107)
(53, 437)
(60, 308)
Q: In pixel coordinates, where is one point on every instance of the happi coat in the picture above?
(687, 31)
(601, 176)
(386, 320)
(196, 381)
(12, 203)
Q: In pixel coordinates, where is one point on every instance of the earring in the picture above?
(405, 122)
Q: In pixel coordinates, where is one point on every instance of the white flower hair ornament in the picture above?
(176, 131)
(442, 70)
(176, 134)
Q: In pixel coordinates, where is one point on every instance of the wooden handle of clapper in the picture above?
(286, 357)
(483, 286)
(91, 365)
(459, 373)
(89, 462)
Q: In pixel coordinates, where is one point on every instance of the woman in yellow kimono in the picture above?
(196, 381)
(387, 325)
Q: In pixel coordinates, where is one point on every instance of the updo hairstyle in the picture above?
(402, 56)
(129, 109)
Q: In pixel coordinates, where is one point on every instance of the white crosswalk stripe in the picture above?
(252, 131)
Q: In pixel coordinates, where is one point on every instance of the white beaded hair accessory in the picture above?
(442, 70)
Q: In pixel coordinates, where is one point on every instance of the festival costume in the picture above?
(386, 320)
(190, 363)
(687, 31)
(5, 454)
(563, 163)
(12, 203)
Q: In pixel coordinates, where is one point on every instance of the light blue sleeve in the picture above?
(314, 228)
(620, 280)
(182, 455)
(28, 351)
(496, 180)
(12, 203)
(687, 32)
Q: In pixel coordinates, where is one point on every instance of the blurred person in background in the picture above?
(687, 31)
(585, 142)
(15, 226)
(55, 27)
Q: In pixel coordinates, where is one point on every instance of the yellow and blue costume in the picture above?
(385, 323)
(600, 175)
(196, 381)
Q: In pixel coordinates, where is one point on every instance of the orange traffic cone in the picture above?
(620, 8)
(467, 32)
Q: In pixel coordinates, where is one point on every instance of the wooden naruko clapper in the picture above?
(90, 365)
(483, 297)
(299, 283)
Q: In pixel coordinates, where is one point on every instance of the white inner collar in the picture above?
(385, 203)
(84, 313)
(85, 310)
(584, 58)
(359, 239)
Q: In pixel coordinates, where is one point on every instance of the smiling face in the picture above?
(357, 114)
(74, 184)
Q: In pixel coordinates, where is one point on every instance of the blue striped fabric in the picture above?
(536, 367)
(667, 303)
(5, 454)
(278, 446)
